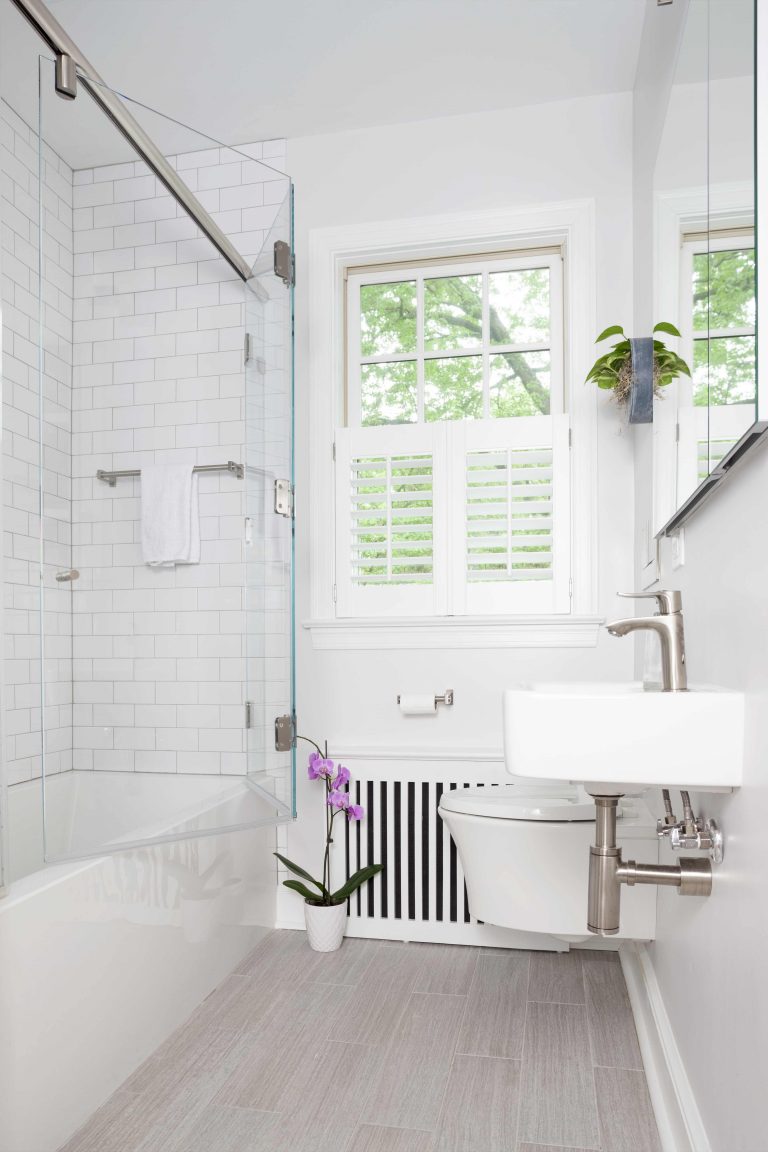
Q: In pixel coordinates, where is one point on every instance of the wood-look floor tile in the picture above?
(326, 1107)
(599, 955)
(375, 1008)
(409, 1087)
(558, 1094)
(627, 1123)
(448, 969)
(369, 1138)
(232, 1130)
(274, 1064)
(313, 1006)
(611, 1023)
(495, 1017)
(348, 965)
(281, 956)
(239, 1003)
(480, 1109)
(137, 1123)
(556, 977)
(548, 1148)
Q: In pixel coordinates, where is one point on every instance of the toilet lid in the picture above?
(502, 805)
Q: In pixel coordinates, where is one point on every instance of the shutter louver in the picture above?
(391, 510)
(509, 512)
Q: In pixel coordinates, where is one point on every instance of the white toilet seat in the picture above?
(498, 804)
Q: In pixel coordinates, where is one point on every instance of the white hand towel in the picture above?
(170, 515)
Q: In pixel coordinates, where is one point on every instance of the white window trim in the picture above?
(677, 214)
(331, 252)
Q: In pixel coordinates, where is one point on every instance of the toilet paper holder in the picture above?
(446, 698)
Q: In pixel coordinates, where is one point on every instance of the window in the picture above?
(452, 472)
(719, 279)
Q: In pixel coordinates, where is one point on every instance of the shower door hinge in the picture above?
(285, 265)
(285, 733)
(283, 498)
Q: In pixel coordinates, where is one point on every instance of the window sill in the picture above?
(456, 632)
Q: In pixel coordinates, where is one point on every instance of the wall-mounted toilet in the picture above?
(526, 858)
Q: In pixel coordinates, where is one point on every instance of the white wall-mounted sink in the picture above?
(623, 737)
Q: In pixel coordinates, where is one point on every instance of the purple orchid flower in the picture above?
(319, 766)
(340, 801)
(341, 778)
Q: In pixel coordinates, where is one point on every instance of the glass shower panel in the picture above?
(269, 640)
(147, 669)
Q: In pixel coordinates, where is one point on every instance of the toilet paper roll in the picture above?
(415, 705)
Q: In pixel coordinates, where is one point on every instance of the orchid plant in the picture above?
(336, 779)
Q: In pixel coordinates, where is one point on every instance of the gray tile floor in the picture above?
(388, 1047)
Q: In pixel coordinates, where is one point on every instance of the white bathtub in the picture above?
(101, 959)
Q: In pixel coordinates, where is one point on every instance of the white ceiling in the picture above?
(243, 70)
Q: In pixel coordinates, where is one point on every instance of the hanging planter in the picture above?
(636, 370)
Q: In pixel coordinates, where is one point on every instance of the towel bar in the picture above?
(111, 478)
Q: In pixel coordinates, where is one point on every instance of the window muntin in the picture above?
(467, 341)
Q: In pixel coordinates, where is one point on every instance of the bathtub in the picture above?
(102, 958)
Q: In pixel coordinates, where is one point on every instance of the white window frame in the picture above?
(464, 267)
(334, 253)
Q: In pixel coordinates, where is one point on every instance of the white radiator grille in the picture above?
(422, 879)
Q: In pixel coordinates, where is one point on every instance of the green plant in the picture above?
(614, 369)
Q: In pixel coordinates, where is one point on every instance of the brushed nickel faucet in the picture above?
(667, 623)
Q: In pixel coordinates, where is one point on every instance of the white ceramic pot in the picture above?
(325, 925)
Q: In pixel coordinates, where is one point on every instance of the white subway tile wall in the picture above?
(19, 215)
(159, 377)
(144, 331)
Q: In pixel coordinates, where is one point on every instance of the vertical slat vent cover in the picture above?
(392, 515)
(422, 878)
(509, 514)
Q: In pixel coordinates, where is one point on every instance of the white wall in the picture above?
(554, 152)
(710, 954)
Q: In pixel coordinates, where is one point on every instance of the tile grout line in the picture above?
(522, 1062)
(590, 1041)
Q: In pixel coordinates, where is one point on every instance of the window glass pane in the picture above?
(453, 388)
(388, 393)
(387, 318)
(453, 312)
(520, 384)
(519, 306)
(724, 289)
(724, 371)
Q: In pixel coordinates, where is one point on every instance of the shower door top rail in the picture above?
(111, 478)
(48, 27)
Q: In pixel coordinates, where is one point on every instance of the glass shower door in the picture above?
(160, 686)
(269, 551)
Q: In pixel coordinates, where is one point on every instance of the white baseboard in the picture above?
(674, 1104)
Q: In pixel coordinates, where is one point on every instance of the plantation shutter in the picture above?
(390, 540)
(511, 516)
(453, 518)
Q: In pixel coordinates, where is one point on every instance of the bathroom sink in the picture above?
(623, 738)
